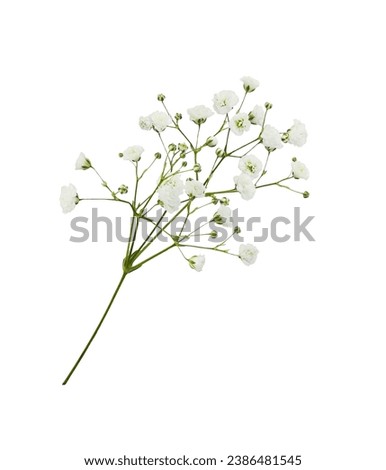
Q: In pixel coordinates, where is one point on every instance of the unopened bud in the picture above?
(123, 189)
(224, 201)
(268, 105)
(197, 168)
(211, 141)
(172, 147)
(157, 155)
(161, 97)
(306, 194)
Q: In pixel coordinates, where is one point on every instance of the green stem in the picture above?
(117, 199)
(265, 168)
(241, 105)
(96, 330)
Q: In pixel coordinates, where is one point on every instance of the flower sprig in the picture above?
(183, 183)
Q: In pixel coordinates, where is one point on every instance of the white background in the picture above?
(285, 357)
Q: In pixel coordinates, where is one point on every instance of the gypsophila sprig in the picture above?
(184, 176)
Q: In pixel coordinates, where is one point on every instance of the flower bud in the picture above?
(197, 168)
(182, 147)
(178, 116)
(237, 230)
(185, 163)
(123, 189)
(268, 105)
(161, 97)
(172, 147)
(285, 137)
(157, 155)
(306, 194)
(214, 200)
(220, 153)
(294, 159)
(213, 234)
(224, 201)
(211, 141)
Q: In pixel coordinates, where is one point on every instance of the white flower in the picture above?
(250, 165)
(132, 153)
(240, 123)
(245, 186)
(211, 141)
(248, 254)
(145, 123)
(194, 188)
(160, 120)
(199, 114)
(250, 84)
(169, 192)
(297, 135)
(271, 138)
(169, 198)
(82, 163)
(175, 184)
(256, 116)
(68, 198)
(224, 101)
(197, 262)
(300, 170)
(223, 216)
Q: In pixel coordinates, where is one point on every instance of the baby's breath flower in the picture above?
(245, 186)
(82, 163)
(271, 138)
(194, 188)
(297, 135)
(168, 198)
(68, 198)
(197, 262)
(240, 123)
(223, 216)
(248, 253)
(199, 114)
(224, 101)
(132, 153)
(250, 165)
(250, 84)
(299, 170)
(160, 120)
(256, 116)
(145, 123)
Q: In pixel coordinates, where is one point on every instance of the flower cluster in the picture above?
(188, 173)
